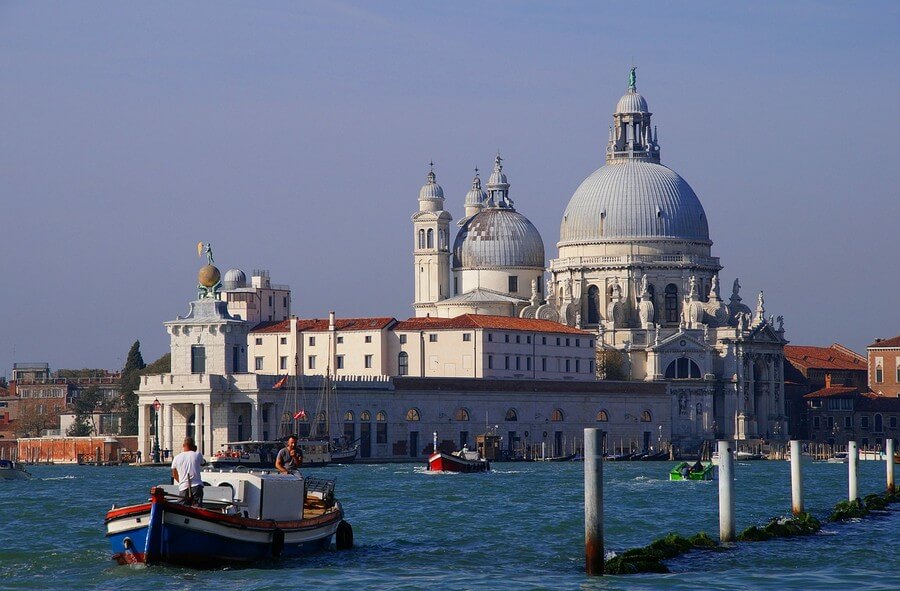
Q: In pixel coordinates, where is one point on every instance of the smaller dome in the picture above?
(234, 278)
(632, 102)
(476, 195)
(208, 276)
(498, 177)
(431, 190)
(498, 237)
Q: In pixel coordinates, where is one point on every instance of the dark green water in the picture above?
(519, 527)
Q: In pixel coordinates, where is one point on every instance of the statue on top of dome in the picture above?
(632, 79)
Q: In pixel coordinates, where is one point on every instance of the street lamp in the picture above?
(156, 406)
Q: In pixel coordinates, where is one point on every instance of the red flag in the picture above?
(300, 414)
(280, 383)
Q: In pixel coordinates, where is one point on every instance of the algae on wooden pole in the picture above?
(593, 501)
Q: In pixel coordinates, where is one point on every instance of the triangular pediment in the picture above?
(682, 340)
(764, 333)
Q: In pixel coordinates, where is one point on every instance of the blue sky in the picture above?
(294, 136)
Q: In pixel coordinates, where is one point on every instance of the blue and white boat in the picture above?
(245, 517)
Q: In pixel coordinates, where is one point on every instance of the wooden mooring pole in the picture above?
(889, 460)
(853, 470)
(726, 492)
(796, 479)
(593, 501)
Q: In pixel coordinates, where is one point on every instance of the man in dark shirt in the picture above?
(289, 458)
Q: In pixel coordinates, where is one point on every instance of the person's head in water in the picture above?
(188, 444)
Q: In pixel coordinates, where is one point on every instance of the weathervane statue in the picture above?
(208, 279)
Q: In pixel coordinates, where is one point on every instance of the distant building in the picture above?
(808, 369)
(884, 366)
(838, 414)
(468, 346)
(258, 300)
(30, 371)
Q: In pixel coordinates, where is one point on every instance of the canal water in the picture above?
(518, 527)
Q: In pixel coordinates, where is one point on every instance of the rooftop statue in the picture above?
(632, 79)
(209, 277)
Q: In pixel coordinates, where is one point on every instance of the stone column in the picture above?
(254, 420)
(143, 431)
(208, 426)
(198, 428)
(170, 424)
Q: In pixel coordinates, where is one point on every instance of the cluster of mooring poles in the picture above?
(593, 490)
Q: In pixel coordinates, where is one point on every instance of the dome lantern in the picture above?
(632, 136)
(431, 195)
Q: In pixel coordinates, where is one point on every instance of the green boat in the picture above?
(685, 471)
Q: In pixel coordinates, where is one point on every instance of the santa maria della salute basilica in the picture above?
(635, 268)
(628, 328)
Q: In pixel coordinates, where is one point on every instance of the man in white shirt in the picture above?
(186, 473)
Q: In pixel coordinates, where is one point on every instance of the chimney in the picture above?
(331, 320)
(827, 380)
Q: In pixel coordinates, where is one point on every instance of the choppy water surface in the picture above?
(519, 527)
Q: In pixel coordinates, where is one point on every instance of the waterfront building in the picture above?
(810, 368)
(839, 414)
(395, 383)
(884, 366)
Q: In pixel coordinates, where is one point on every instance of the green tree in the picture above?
(160, 366)
(129, 382)
(86, 404)
(80, 373)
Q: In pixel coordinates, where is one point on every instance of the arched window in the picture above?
(652, 291)
(671, 303)
(365, 416)
(683, 369)
(646, 417)
(511, 416)
(380, 416)
(461, 414)
(421, 238)
(403, 363)
(430, 238)
(557, 416)
(442, 240)
(879, 423)
(412, 414)
(603, 416)
(593, 315)
(348, 416)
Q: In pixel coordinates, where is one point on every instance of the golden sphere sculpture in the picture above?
(208, 276)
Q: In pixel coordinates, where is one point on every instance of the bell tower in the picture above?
(431, 248)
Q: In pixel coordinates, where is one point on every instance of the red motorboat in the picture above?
(460, 461)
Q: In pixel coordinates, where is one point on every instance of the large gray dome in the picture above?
(633, 199)
(498, 237)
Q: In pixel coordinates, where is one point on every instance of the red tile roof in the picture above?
(471, 321)
(892, 342)
(833, 391)
(836, 357)
(321, 325)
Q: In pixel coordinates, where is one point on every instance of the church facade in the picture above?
(635, 267)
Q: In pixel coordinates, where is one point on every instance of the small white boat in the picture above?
(10, 470)
(839, 457)
(261, 454)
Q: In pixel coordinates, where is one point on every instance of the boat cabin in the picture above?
(258, 495)
(488, 446)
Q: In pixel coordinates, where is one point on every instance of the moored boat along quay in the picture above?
(529, 539)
